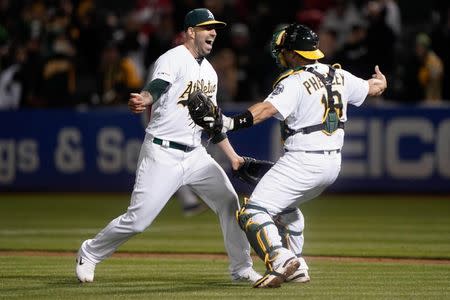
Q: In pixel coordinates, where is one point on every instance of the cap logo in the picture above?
(201, 17)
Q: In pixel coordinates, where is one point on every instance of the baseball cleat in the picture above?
(84, 269)
(248, 275)
(301, 274)
(274, 279)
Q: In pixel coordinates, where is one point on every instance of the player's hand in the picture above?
(139, 102)
(378, 83)
(237, 162)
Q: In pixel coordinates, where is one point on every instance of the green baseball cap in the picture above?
(201, 17)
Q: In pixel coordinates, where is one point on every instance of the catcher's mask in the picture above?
(295, 37)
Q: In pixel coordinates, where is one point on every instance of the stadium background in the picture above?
(68, 148)
(67, 67)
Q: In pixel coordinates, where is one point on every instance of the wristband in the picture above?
(243, 120)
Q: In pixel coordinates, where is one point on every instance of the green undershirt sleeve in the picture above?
(156, 88)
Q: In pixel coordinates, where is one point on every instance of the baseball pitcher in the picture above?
(172, 154)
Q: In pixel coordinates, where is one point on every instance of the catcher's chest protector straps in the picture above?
(287, 73)
(256, 223)
(331, 120)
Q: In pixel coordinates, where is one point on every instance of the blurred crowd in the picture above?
(70, 53)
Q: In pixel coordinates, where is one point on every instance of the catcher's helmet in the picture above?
(296, 37)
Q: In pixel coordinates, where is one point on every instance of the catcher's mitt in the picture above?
(204, 113)
(253, 170)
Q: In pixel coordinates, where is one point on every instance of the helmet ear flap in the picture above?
(277, 44)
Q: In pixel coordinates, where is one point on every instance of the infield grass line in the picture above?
(198, 255)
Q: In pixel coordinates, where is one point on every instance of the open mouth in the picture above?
(209, 42)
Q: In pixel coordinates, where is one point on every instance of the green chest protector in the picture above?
(331, 120)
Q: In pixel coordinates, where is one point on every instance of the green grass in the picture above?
(371, 226)
(139, 278)
(381, 226)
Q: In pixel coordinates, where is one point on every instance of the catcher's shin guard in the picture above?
(261, 232)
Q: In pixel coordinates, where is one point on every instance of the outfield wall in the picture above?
(386, 149)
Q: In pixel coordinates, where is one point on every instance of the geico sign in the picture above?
(373, 148)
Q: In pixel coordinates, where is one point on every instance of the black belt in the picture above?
(172, 145)
(323, 151)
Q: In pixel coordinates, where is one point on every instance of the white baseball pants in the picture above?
(160, 173)
(296, 178)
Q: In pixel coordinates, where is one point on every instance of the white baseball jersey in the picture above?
(300, 176)
(301, 101)
(170, 116)
(163, 169)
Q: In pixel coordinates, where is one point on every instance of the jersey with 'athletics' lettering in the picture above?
(170, 117)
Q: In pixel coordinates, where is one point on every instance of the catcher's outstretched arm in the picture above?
(254, 115)
(262, 111)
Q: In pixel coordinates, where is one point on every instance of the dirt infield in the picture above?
(416, 261)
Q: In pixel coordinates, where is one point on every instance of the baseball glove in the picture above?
(204, 113)
(253, 170)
